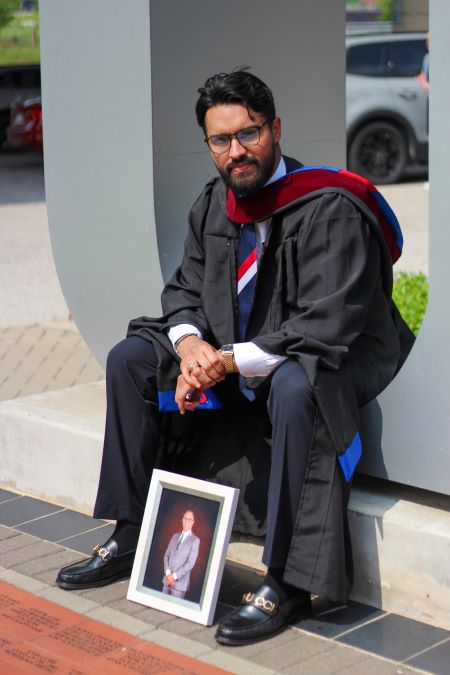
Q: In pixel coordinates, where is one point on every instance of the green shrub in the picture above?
(410, 294)
(7, 9)
(19, 38)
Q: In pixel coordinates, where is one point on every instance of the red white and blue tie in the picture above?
(246, 276)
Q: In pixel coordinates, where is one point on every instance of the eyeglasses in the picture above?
(187, 518)
(221, 143)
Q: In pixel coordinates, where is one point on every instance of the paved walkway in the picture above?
(43, 357)
(38, 635)
(37, 538)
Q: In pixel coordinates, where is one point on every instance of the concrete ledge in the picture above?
(51, 448)
(51, 444)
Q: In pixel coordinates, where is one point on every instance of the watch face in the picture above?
(227, 348)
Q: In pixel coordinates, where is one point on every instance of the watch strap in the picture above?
(227, 352)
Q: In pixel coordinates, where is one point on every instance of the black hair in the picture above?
(239, 86)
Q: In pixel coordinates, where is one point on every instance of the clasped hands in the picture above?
(202, 366)
(170, 580)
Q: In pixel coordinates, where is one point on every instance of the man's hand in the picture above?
(170, 580)
(184, 390)
(201, 365)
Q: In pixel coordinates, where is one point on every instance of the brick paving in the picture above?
(43, 627)
(37, 635)
(44, 357)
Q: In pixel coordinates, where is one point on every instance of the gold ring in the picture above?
(191, 366)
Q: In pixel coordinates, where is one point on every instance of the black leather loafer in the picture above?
(104, 567)
(260, 616)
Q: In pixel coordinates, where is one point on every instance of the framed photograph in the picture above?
(182, 546)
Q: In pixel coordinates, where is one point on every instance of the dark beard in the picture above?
(246, 185)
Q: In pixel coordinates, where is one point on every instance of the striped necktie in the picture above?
(246, 275)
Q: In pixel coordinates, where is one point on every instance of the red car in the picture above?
(25, 128)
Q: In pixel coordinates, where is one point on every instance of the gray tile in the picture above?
(10, 576)
(282, 641)
(85, 542)
(179, 626)
(231, 662)
(49, 576)
(29, 552)
(301, 647)
(129, 624)
(70, 600)
(106, 594)
(128, 607)
(183, 645)
(371, 665)
(14, 543)
(7, 532)
(52, 562)
(394, 637)
(332, 658)
(204, 636)
(435, 660)
(149, 615)
(6, 495)
(60, 525)
(331, 623)
(18, 511)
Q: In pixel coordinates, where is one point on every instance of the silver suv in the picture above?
(387, 106)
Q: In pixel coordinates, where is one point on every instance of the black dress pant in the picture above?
(132, 440)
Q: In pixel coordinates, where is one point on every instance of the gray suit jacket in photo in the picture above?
(180, 561)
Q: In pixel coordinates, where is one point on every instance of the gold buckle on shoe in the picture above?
(261, 603)
(101, 552)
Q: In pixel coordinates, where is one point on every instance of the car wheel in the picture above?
(378, 152)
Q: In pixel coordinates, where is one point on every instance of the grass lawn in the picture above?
(19, 41)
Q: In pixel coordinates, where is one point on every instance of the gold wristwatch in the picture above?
(227, 352)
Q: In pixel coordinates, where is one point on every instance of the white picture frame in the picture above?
(213, 507)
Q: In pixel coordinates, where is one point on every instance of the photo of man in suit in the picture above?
(180, 557)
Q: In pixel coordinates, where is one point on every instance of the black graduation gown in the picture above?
(323, 298)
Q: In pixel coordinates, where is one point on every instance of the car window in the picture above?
(405, 57)
(369, 59)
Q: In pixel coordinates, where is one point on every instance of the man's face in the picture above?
(188, 521)
(244, 169)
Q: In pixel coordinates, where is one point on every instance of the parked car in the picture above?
(25, 129)
(387, 106)
(17, 83)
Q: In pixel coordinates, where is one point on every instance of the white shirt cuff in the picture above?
(168, 572)
(252, 361)
(181, 329)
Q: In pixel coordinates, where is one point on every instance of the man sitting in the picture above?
(281, 314)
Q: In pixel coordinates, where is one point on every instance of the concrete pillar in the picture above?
(407, 439)
(124, 158)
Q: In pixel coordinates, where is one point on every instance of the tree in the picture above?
(7, 9)
(386, 10)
